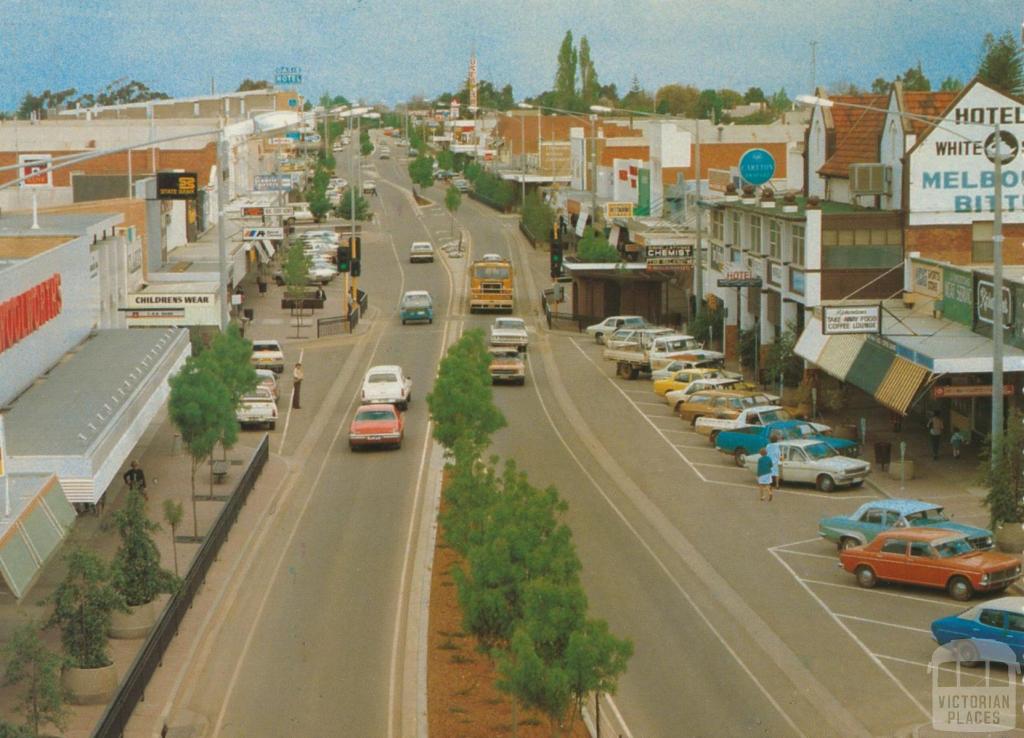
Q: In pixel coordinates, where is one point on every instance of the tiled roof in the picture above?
(930, 104)
(856, 131)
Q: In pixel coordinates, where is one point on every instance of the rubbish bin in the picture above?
(883, 454)
(262, 284)
(247, 312)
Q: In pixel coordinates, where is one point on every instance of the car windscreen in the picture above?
(381, 379)
(820, 451)
(952, 547)
(257, 346)
(375, 415)
(922, 517)
(772, 416)
(509, 324)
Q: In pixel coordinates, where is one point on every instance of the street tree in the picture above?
(531, 682)
(136, 570)
(590, 87)
(344, 207)
(1002, 471)
(173, 513)
(203, 411)
(228, 358)
(296, 270)
(565, 75)
(452, 200)
(1001, 64)
(421, 171)
(594, 660)
(538, 217)
(36, 670)
(82, 604)
(594, 248)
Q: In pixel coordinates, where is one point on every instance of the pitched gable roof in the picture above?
(928, 104)
(856, 132)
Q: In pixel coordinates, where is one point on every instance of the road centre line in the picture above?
(852, 588)
(291, 403)
(882, 622)
(852, 635)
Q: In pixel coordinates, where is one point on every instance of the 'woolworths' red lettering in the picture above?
(23, 314)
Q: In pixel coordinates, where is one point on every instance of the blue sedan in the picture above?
(1000, 621)
(752, 438)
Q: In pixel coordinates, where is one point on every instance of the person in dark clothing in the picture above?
(320, 293)
(135, 478)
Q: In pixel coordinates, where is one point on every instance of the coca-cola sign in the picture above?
(984, 304)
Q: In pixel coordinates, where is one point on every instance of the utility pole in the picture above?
(814, 65)
(698, 276)
(352, 145)
(997, 295)
(222, 241)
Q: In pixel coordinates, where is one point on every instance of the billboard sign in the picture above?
(176, 185)
(669, 256)
(984, 303)
(852, 319)
(147, 309)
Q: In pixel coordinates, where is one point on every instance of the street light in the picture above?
(997, 245)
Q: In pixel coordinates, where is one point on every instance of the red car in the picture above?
(376, 425)
(931, 557)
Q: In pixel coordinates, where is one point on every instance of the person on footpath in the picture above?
(956, 441)
(775, 454)
(297, 376)
(136, 479)
(764, 476)
(935, 427)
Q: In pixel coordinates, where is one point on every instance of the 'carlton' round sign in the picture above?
(757, 166)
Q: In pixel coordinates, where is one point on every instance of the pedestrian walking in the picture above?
(775, 454)
(136, 479)
(956, 441)
(935, 428)
(320, 294)
(297, 376)
(764, 476)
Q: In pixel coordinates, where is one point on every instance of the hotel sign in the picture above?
(23, 314)
(853, 319)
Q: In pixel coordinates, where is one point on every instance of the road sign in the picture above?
(258, 234)
(851, 319)
(286, 210)
(271, 183)
(293, 135)
(757, 166)
(313, 138)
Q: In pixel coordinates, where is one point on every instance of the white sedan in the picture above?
(810, 461)
(322, 271)
(387, 385)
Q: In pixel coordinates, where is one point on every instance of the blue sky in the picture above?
(390, 50)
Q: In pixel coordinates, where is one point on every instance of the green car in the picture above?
(416, 305)
(873, 517)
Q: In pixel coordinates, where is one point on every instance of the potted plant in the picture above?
(82, 604)
(1002, 472)
(137, 574)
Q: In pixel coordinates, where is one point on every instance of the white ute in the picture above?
(257, 408)
(509, 332)
(760, 415)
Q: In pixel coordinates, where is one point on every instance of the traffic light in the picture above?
(556, 260)
(344, 258)
(356, 244)
(357, 267)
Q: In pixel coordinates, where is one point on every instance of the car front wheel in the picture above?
(866, 577)
(960, 589)
(599, 337)
(846, 542)
(826, 483)
(740, 456)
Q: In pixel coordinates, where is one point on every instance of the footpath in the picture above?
(166, 464)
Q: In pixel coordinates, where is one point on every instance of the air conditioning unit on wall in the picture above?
(870, 179)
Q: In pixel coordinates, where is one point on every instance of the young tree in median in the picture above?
(344, 208)
(173, 513)
(203, 411)
(296, 270)
(594, 660)
(461, 403)
(33, 667)
(421, 171)
(452, 200)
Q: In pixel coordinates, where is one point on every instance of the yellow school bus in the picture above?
(490, 284)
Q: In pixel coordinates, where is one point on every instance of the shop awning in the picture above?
(900, 385)
(41, 518)
(265, 248)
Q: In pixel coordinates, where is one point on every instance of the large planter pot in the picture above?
(1009, 537)
(135, 623)
(907, 465)
(90, 686)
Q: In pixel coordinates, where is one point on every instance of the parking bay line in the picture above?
(882, 622)
(850, 587)
(911, 662)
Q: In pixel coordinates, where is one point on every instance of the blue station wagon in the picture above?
(417, 306)
(873, 517)
(751, 439)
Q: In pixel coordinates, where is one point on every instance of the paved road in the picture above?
(309, 646)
